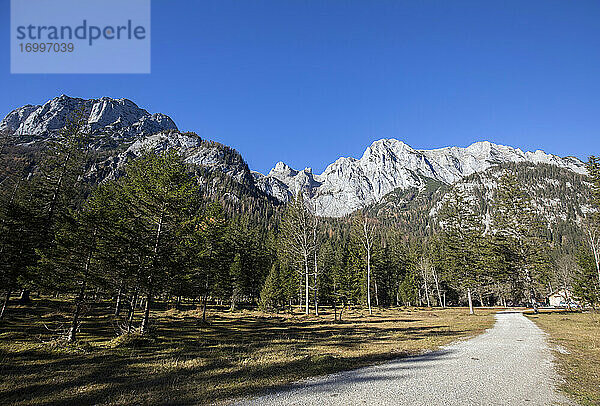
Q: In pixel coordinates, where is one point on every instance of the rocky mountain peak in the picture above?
(387, 164)
(282, 169)
(346, 184)
(119, 118)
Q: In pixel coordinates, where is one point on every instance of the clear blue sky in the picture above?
(308, 81)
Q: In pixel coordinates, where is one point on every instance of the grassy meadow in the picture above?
(186, 361)
(576, 338)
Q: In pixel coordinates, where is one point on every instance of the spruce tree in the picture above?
(19, 225)
(272, 296)
(71, 263)
(214, 262)
(159, 196)
(593, 222)
(36, 200)
(518, 238)
(462, 230)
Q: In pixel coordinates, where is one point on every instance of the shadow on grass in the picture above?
(119, 381)
(189, 362)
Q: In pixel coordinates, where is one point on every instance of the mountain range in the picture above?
(386, 169)
(120, 119)
(349, 184)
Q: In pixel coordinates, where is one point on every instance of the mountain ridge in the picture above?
(122, 119)
(347, 184)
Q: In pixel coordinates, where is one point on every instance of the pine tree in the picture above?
(160, 198)
(344, 278)
(18, 241)
(236, 273)
(214, 262)
(586, 287)
(120, 250)
(593, 222)
(517, 237)
(59, 177)
(462, 230)
(70, 264)
(37, 199)
(272, 296)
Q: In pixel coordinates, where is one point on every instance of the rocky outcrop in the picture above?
(119, 119)
(388, 164)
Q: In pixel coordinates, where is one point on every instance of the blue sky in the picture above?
(308, 81)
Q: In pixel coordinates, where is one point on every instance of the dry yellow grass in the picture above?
(187, 362)
(579, 334)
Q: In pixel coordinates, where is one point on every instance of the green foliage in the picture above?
(462, 232)
(272, 295)
(585, 285)
(518, 241)
(164, 227)
(18, 240)
(588, 278)
(593, 167)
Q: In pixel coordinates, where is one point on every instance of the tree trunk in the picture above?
(81, 296)
(5, 304)
(470, 301)
(131, 312)
(56, 191)
(426, 292)
(376, 293)
(316, 289)
(204, 300)
(24, 299)
(75, 321)
(306, 311)
(233, 301)
(369, 281)
(594, 240)
(596, 251)
(146, 320)
(425, 284)
(531, 291)
(437, 286)
(316, 297)
(118, 304)
(334, 311)
(533, 302)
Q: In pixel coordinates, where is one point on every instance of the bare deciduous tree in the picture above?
(364, 231)
(593, 238)
(300, 232)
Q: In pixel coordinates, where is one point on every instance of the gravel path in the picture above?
(510, 364)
